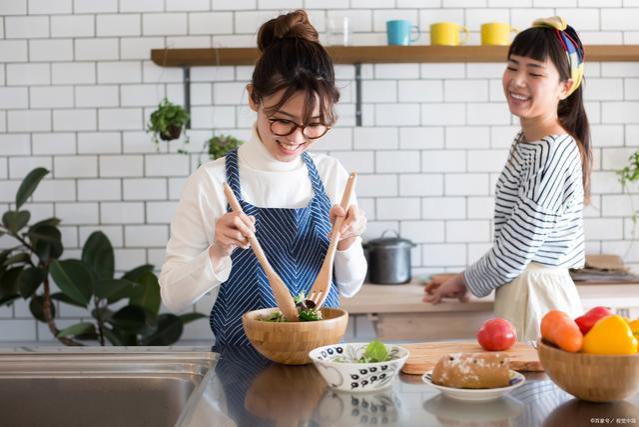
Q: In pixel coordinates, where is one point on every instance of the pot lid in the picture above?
(390, 242)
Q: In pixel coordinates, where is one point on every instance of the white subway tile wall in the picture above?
(77, 87)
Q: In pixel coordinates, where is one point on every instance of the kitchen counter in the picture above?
(397, 311)
(243, 389)
(256, 392)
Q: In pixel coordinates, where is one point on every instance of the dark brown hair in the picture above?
(540, 43)
(293, 59)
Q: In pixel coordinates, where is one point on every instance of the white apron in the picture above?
(537, 290)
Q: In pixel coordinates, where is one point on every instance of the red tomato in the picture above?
(497, 335)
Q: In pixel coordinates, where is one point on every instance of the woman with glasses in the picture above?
(289, 196)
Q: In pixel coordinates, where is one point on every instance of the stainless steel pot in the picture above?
(389, 259)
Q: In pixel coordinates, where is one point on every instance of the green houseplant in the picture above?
(218, 145)
(124, 310)
(629, 174)
(167, 121)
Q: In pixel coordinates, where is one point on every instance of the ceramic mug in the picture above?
(401, 32)
(447, 34)
(496, 33)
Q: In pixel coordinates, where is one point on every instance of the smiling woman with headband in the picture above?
(541, 192)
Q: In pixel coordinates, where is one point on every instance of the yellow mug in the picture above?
(447, 34)
(496, 33)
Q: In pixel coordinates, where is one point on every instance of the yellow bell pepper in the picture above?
(634, 327)
(610, 335)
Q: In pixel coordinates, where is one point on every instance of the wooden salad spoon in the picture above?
(320, 288)
(280, 290)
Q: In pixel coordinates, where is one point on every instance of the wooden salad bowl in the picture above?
(290, 342)
(592, 377)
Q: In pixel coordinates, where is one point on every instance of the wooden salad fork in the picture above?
(320, 288)
(280, 291)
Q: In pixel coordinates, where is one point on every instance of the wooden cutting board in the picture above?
(424, 356)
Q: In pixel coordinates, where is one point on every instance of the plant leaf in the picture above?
(81, 328)
(127, 338)
(19, 258)
(91, 336)
(112, 287)
(9, 283)
(190, 317)
(129, 318)
(46, 232)
(29, 184)
(53, 221)
(149, 298)
(129, 291)
(113, 337)
(29, 280)
(97, 254)
(36, 306)
(59, 296)
(15, 220)
(5, 254)
(74, 279)
(169, 330)
(47, 241)
(134, 275)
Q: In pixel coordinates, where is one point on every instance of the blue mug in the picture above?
(400, 32)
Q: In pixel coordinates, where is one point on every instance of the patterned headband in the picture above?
(571, 44)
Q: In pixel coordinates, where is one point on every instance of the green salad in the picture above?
(375, 352)
(305, 308)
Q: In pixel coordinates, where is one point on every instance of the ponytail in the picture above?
(573, 118)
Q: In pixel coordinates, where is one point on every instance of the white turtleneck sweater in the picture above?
(188, 272)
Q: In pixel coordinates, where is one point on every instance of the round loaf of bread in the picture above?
(472, 370)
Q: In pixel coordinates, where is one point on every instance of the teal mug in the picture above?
(401, 32)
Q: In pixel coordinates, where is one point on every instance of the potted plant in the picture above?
(167, 121)
(218, 145)
(27, 268)
(629, 174)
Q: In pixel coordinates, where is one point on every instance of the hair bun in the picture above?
(292, 25)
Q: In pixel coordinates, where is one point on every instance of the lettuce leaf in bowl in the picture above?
(375, 352)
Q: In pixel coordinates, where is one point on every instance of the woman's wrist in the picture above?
(462, 279)
(217, 255)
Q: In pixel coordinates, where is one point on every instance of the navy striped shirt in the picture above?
(538, 213)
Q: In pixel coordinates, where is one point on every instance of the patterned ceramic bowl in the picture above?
(348, 375)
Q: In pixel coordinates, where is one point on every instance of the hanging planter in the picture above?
(173, 132)
(167, 121)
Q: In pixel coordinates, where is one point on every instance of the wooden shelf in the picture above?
(377, 55)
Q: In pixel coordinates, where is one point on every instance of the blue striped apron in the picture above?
(295, 242)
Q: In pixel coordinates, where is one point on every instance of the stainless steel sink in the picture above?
(116, 387)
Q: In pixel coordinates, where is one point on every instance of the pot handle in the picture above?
(392, 231)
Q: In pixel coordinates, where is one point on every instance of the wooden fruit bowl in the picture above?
(592, 377)
(290, 342)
